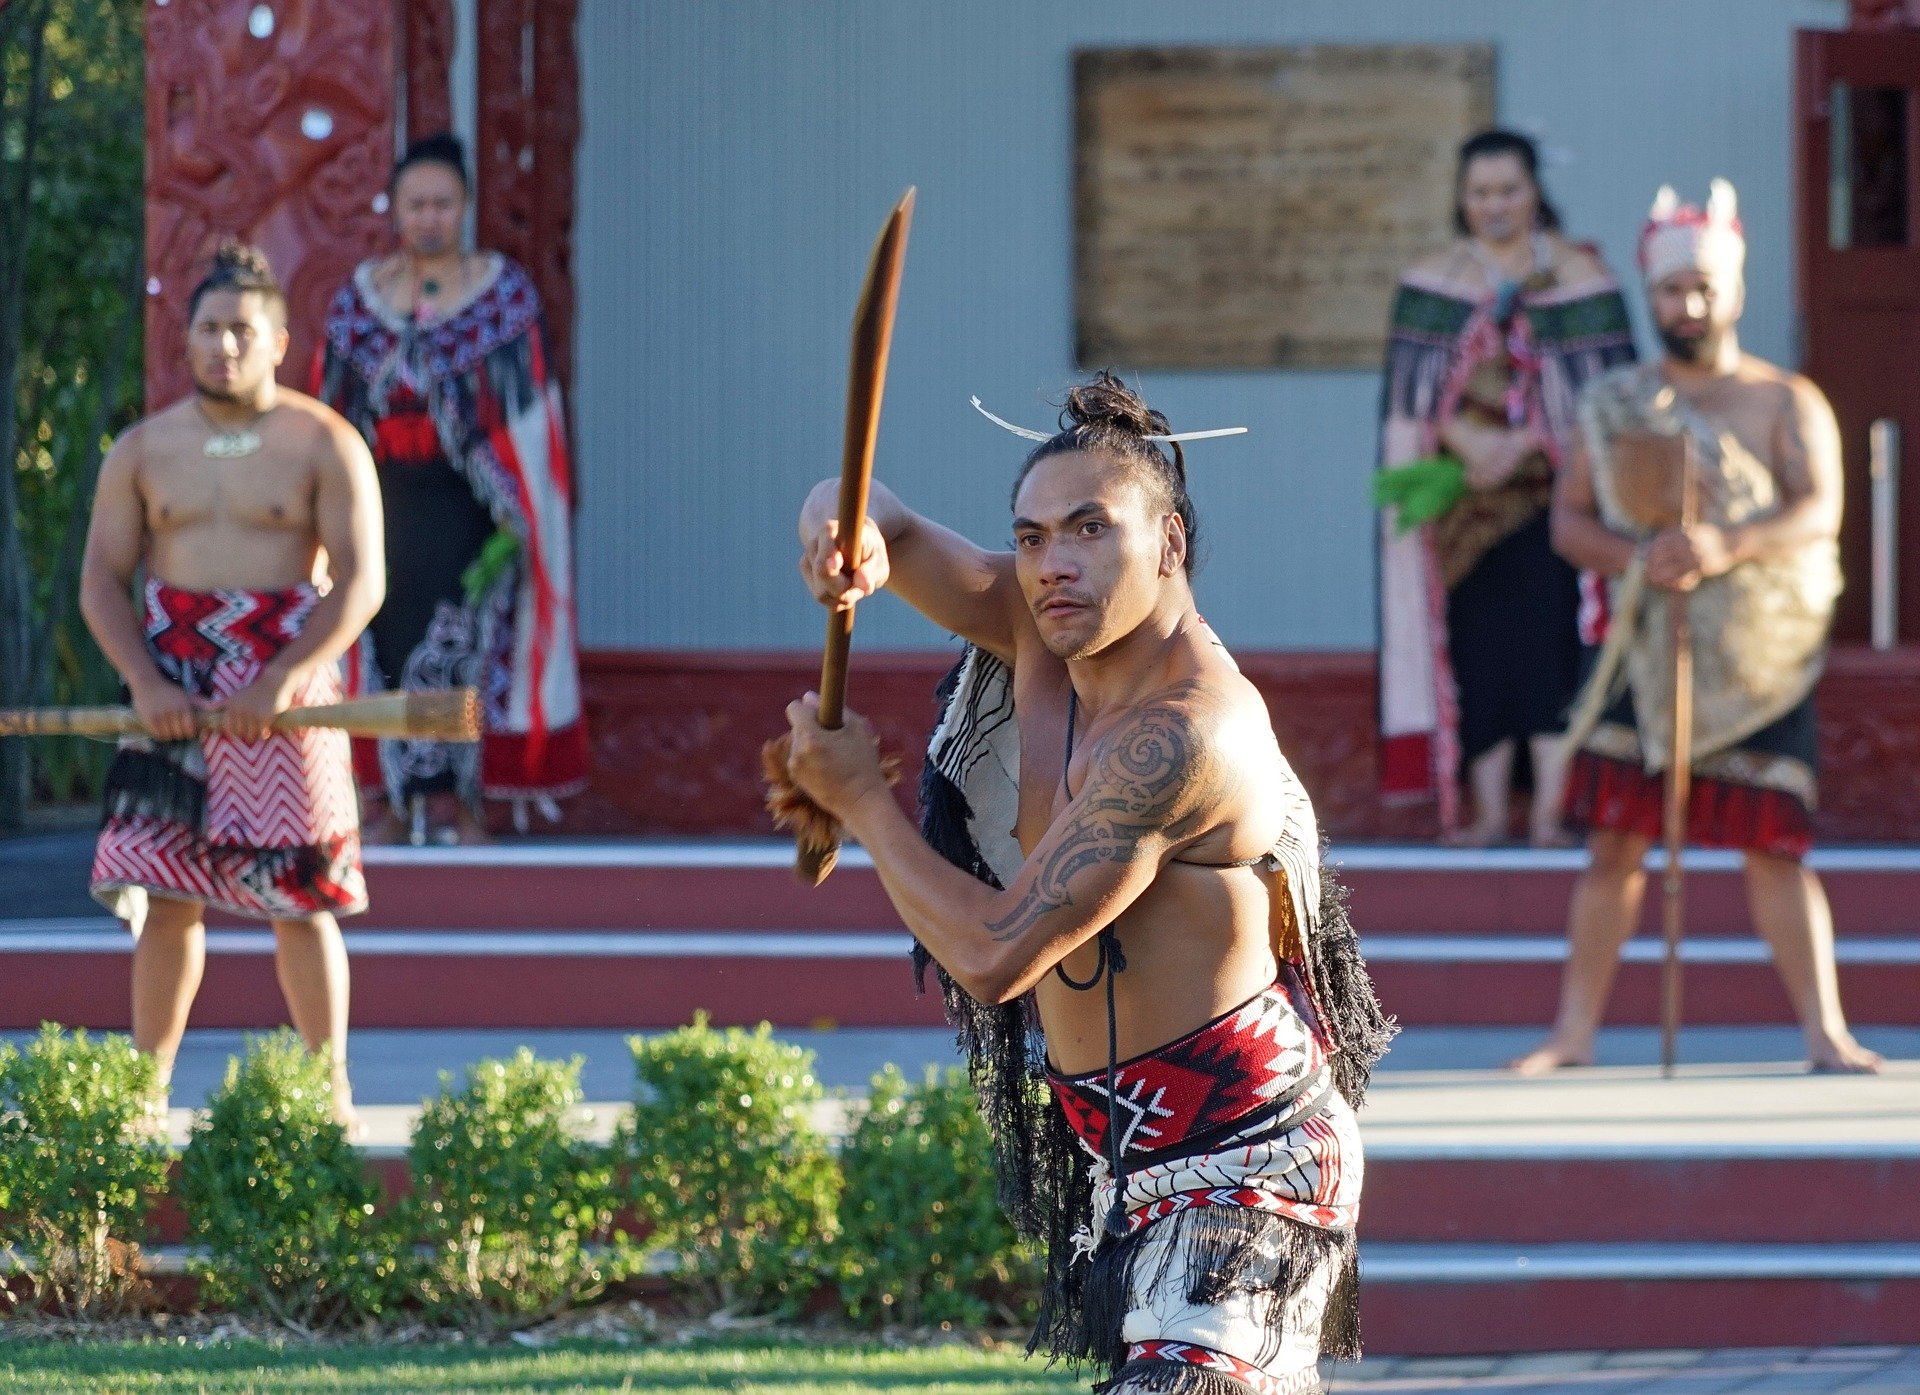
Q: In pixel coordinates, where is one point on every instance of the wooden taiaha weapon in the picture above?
(449, 715)
(1679, 779)
(866, 384)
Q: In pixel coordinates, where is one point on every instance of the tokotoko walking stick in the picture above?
(1679, 779)
(449, 715)
(866, 383)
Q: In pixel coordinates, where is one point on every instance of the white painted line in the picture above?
(102, 935)
(730, 854)
(1389, 1262)
(1628, 1150)
(1529, 949)
(705, 853)
(533, 944)
(1469, 1264)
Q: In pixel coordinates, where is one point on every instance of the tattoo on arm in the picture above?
(1146, 784)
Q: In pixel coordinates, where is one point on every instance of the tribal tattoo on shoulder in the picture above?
(1150, 779)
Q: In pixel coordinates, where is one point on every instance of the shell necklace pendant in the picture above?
(231, 442)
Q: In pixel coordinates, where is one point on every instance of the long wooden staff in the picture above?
(866, 383)
(1679, 778)
(450, 715)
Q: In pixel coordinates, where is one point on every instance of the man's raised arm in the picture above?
(1154, 784)
(958, 586)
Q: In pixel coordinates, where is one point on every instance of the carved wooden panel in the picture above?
(428, 42)
(528, 127)
(272, 122)
(1254, 207)
(676, 738)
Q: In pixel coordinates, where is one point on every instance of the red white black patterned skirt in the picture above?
(1232, 1265)
(268, 829)
(1756, 797)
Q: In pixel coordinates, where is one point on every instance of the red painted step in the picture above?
(1864, 1196)
(1473, 1319)
(746, 885)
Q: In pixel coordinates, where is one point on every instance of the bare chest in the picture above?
(183, 487)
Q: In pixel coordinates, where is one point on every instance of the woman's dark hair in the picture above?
(239, 266)
(440, 148)
(1107, 415)
(1498, 142)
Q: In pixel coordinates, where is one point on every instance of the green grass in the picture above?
(257, 1368)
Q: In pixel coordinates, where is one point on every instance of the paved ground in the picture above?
(1790, 1371)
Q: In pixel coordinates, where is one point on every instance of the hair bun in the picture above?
(440, 148)
(236, 258)
(1108, 402)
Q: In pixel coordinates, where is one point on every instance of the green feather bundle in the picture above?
(1421, 490)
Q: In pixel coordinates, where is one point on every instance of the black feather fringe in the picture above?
(154, 784)
(1217, 1247)
(1171, 1378)
(1044, 1184)
(1359, 1028)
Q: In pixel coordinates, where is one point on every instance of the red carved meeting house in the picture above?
(288, 137)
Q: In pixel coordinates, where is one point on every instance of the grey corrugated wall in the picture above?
(739, 155)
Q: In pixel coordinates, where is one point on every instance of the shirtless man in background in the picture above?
(253, 513)
(1761, 573)
(1170, 881)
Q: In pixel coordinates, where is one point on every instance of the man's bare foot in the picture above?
(344, 1114)
(153, 1118)
(1474, 835)
(1552, 1054)
(1842, 1055)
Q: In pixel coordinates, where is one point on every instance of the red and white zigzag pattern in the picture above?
(1218, 1362)
(175, 860)
(1253, 1198)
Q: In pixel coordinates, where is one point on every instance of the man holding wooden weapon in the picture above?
(1707, 485)
(254, 514)
(1183, 1142)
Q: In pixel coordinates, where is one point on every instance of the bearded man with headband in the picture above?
(1760, 573)
(1146, 890)
(253, 513)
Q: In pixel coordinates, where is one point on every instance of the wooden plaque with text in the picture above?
(1254, 207)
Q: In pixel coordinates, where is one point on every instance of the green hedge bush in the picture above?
(508, 1196)
(728, 1167)
(923, 1241)
(280, 1199)
(81, 1159)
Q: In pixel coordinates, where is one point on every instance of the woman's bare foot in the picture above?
(469, 829)
(1474, 835)
(1559, 1050)
(384, 829)
(1552, 836)
(1841, 1055)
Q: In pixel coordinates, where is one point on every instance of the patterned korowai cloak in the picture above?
(496, 411)
(1759, 630)
(1442, 341)
(968, 794)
